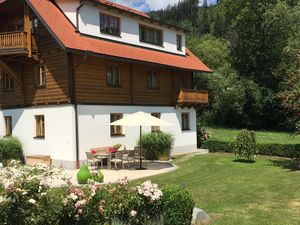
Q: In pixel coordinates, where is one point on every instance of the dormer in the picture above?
(110, 21)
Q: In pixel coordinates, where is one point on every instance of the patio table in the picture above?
(104, 155)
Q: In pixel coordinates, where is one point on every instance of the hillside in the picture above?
(253, 48)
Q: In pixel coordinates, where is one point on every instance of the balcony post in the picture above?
(27, 29)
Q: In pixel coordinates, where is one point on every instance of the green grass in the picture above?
(262, 137)
(262, 193)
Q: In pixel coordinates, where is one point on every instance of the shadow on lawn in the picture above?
(244, 161)
(285, 164)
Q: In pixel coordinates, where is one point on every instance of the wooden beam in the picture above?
(5, 67)
(27, 29)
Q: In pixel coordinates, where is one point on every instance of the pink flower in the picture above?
(124, 181)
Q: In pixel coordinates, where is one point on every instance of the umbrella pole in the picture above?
(141, 160)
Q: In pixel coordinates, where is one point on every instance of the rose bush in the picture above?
(26, 197)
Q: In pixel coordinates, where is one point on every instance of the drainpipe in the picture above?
(72, 81)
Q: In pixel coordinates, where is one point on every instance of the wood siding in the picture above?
(27, 93)
(92, 87)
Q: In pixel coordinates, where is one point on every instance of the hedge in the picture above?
(281, 150)
(10, 148)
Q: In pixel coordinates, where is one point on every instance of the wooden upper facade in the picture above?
(37, 70)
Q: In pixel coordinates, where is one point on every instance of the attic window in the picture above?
(109, 24)
(151, 35)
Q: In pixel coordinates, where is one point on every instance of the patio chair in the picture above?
(129, 157)
(118, 159)
(92, 160)
(137, 154)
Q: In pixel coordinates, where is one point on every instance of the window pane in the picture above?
(109, 24)
(8, 125)
(40, 126)
(179, 42)
(116, 130)
(150, 35)
(185, 121)
(155, 128)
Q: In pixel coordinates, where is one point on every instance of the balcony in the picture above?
(13, 43)
(192, 98)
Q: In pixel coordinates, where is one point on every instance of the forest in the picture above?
(253, 47)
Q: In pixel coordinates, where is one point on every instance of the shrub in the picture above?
(158, 145)
(178, 206)
(97, 176)
(27, 199)
(245, 145)
(24, 195)
(10, 148)
(281, 150)
(202, 135)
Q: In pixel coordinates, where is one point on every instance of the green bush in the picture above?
(158, 145)
(217, 146)
(178, 205)
(244, 145)
(202, 135)
(98, 177)
(10, 148)
(281, 150)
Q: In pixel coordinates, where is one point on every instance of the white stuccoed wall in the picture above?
(94, 128)
(89, 23)
(59, 140)
(69, 7)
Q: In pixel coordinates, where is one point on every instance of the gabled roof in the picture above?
(65, 33)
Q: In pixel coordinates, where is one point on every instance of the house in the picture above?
(70, 67)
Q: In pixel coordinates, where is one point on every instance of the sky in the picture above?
(148, 5)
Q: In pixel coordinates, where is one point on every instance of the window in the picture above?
(40, 74)
(150, 35)
(185, 121)
(155, 128)
(113, 75)
(40, 126)
(109, 24)
(8, 125)
(152, 80)
(116, 130)
(182, 80)
(8, 82)
(179, 42)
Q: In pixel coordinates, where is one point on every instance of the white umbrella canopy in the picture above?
(140, 119)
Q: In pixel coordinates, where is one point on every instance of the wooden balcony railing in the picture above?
(13, 42)
(192, 98)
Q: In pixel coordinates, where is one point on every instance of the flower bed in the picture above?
(27, 198)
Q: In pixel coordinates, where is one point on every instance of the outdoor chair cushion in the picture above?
(112, 150)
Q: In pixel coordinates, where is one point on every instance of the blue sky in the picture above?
(147, 5)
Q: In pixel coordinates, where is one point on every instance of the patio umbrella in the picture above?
(140, 119)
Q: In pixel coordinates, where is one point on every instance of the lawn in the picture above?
(262, 137)
(262, 193)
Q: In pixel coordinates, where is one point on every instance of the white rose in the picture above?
(133, 213)
(32, 201)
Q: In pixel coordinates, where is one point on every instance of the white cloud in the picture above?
(145, 5)
(159, 4)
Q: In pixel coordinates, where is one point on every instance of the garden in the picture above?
(27, 196)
